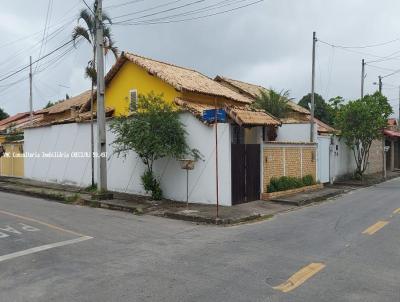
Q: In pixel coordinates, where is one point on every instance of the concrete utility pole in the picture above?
(101, 117)
(362, 77)
(30, 92)
(312, 139)
(398, 123)
(380, 84)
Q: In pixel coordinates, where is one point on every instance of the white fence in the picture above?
(124, 173)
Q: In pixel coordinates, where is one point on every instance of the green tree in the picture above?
(334, 105)
(273, 102)
(154, 131)
(49, 104)
(3, 114)
(321, 109)
(361, 122)
(87, 31)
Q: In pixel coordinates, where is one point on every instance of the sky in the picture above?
(268, 43)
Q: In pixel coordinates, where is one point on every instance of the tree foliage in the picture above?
(154, 131)
(273, 102)
(321, 109)
(361, 122)
(3, 114)
(87, 31)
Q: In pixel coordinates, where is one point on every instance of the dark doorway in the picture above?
(245, 172)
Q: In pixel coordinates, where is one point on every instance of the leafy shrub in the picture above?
(284, 183)
(308, 180)
(151, 184)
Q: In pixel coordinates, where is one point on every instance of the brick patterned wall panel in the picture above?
(273, 163)
(309, 162)
(287, 160)
(293, 162)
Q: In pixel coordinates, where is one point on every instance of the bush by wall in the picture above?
(287, 183)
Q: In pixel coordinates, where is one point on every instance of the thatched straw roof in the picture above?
(253, 91)
(79, 118)
(242, 115)
(182, 79)
(76, 101)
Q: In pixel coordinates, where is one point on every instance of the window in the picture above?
(133, 100)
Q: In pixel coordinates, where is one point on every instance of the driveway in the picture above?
(347, 249)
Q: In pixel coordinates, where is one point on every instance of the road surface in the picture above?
(347, 249)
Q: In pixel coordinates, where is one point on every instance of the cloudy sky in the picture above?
(268, 43)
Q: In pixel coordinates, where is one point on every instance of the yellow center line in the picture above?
(375, 227)
(300, 277)
(397, 211)
(42, 223)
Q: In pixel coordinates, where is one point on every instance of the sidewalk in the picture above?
(198, 213)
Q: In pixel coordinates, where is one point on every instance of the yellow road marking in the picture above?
(375, 227)
(397, 211)
(300, 277)
(42, 223)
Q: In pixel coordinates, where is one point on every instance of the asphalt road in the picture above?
(55, 252)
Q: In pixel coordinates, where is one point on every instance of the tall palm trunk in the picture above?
(91, 122)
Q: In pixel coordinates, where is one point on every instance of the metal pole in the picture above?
(101, 117)
(91, 122)
(399, 109)
(384, 158)
(30, 92)
(380, 84)
(312, 89)
(187, 189)
(216, 153)
(362, 77)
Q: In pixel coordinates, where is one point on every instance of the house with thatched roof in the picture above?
(297, 114)
(237, 136)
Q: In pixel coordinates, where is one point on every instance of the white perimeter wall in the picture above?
(124, 173)
(297, 132)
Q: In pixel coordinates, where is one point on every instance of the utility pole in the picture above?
(380, 84)
(312, 89)
(362, 77)
(101, 117)
(398, 123)
(30, 92)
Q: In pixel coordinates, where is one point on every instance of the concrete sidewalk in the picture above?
(198, 213)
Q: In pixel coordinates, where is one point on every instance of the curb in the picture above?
(309, 201)
(110, 206)
(214, 220)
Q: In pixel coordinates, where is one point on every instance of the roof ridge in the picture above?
(163, 62)
(247, 83)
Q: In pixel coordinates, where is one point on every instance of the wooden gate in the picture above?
(245, 172)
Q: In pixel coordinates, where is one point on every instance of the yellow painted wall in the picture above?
(130, 77)
(12, 165)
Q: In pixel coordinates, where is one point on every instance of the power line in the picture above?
(46, 23)
(38, 60)
(163, 11)
(123, 4)
(365, 46)
(89, 8)
(211, 7)
(191, 19)
(147, 9)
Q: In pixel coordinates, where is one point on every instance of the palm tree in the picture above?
(87, 31)
(273, 102)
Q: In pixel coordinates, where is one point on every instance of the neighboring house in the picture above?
(335, 160)
(74, 109)
(297, 115)
(392, 140)
(239, 137)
